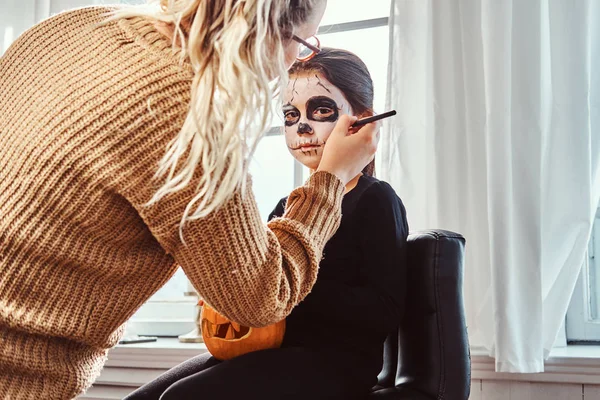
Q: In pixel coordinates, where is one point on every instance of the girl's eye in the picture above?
(291, 116)
(323, 112)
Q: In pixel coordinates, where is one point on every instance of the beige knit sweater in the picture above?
(86, 113)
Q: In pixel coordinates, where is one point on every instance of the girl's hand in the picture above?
(348, 151)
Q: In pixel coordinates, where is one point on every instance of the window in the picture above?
(583, 316)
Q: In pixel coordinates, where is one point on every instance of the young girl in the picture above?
(333, 345)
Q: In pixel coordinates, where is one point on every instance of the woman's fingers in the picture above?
(343, 125)
(370, 135)
(346, 153)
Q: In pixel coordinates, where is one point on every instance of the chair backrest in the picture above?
(429, 353)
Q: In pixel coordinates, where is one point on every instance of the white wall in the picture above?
(517, 390)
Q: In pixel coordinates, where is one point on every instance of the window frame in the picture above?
(579, 324)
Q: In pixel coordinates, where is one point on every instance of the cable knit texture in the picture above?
(86, 112)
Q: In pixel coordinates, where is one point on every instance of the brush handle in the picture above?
(374, 118)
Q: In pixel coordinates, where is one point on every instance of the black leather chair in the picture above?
(428, 356)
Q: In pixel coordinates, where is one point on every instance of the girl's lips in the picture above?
(309, 147)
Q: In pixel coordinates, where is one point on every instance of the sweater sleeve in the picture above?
(251, 273)
(379, 302)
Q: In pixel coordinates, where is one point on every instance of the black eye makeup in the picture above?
(322, 109)
(291, 115)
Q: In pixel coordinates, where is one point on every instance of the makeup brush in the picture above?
(374, 118)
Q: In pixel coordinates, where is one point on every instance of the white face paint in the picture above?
(312, 106)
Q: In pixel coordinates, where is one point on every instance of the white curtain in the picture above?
(498, 138)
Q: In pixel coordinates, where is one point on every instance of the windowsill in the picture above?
(574, 363)
(164, 353)
(570, 364)
(130, 366)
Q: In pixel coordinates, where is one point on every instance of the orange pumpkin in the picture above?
(226, 339)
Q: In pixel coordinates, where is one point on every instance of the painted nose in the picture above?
(304, 128)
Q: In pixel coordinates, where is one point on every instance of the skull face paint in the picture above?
(312, 107)
(322, 108)
(304, 128)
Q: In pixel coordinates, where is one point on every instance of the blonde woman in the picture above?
(124, 145)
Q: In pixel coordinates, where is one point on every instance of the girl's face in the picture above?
(312, 106)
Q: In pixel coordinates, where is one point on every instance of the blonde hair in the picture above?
(236, 47)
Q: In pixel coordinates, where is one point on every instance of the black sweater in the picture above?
(359, 294)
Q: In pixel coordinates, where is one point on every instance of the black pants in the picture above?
(287, 373)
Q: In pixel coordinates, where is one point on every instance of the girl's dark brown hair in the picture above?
(346, 71)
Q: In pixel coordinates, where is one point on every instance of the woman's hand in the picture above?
(347, 152)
